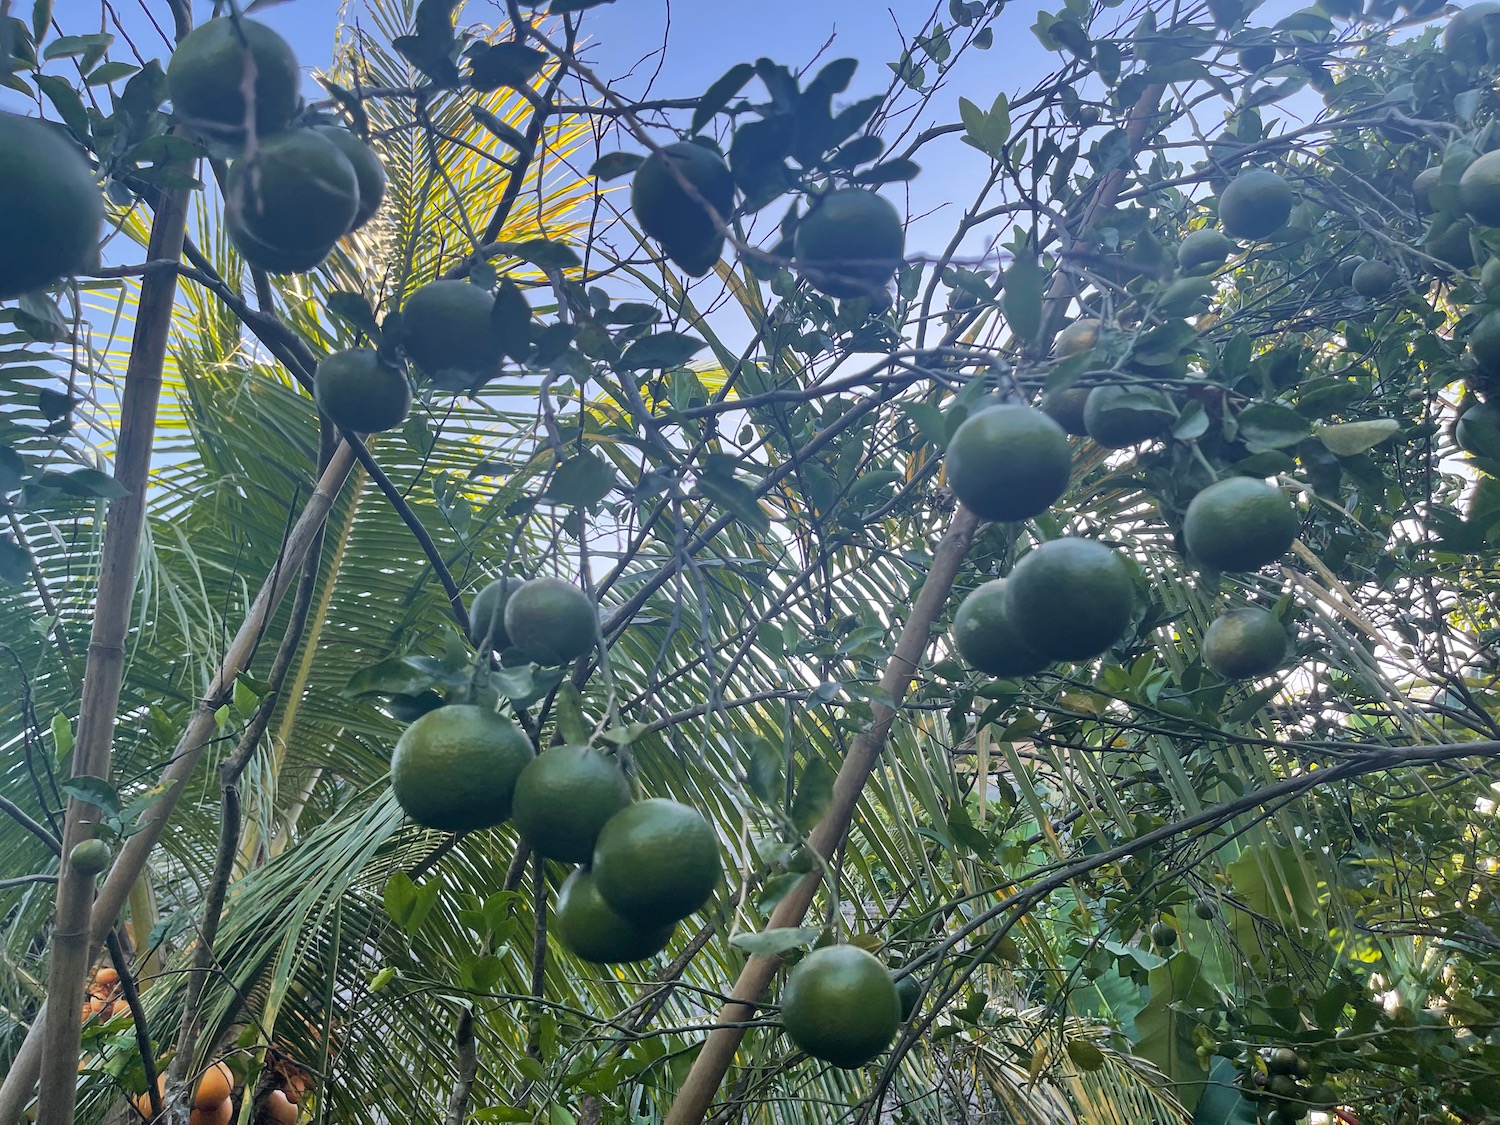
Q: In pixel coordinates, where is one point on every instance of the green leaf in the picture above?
(41, 17)
(85, 483)
(354, 309)
(1164, 1030)
(769, 943)
(67, 101)
(506, 63)
(1269, 425)
(814, 795)
(664, 349)
(510, 320)
(504, 133)
(397, 675)
(736, 497)
(571, 724)
(1347, 439)
(93, 791)
(12, 469)
(15, 562)
(69, 46)
(613, 165)
(400, 897)
(560, 6)
(889, 171)
(1021, 298)
(543, 252)
(581, 481)
(765, 770)
(717, 96)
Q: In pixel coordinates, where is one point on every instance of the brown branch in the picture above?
(714, 1059)
(72, 948)
(230, 822)
(132, 995)
(468, 1068)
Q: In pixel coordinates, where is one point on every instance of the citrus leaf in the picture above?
(581, 481)
(507, 63)
(613, 165)
(1021, 298)
(400, 897)
(1268, 425)
(717, 96)
(664, 349)
(1347, 439)
(542, 252)
(769, 943)
(814, 795)
(354, 310)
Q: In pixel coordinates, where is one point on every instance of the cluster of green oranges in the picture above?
(849, 244)
(292, 192)
(1072, 598)
(643, 865)
(1278, 1080)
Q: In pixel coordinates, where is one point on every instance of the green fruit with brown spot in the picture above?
(1244, 643)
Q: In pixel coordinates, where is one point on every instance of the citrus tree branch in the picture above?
(72, 944)
(21, 1080)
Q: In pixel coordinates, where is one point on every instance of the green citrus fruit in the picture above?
(1424, 183)
(1163, 935)
(667, 213)
(1465, 39)
(656, 861)
(1206, 909)
(563, 799)
(850, 243)
(1257, 57)
(1118, 417)
(1070, 599)
(839, 1005)
(909, 992)
(367, 170)
(551, 621)
(1077, 338)
(1255, 204)
(296, 195)
(455, 768)
(89, 857)
(272, 259)
(1479, 190)
(487, 612)
(1373, 279)
(406, 708)
(1244, 643)
(1489, 276)
(1484, 344)
(1203, 251)
(1187, 296)
(1239, 523)
(446, 331)
(52, 207)
(1009, 462)
(1065, 407)
(1449, 242)
(1345, 272)
(206, 80)
(360, 392)
(1477, 430)
(986, 638)
(594, 932)
(1283, 1060)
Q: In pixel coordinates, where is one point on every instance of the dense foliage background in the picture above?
(748, 476)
